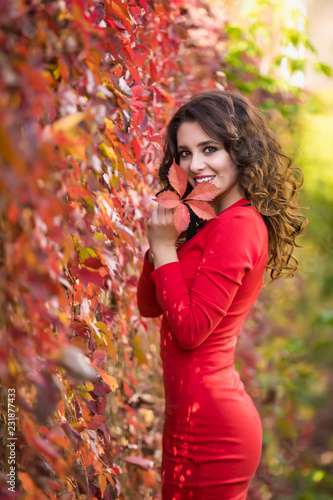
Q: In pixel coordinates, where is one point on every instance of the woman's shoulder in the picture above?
(240, 228)
(241, 216)
(240, 222)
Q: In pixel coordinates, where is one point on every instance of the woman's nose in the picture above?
(197, 164)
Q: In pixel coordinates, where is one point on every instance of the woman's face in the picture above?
(205, 159)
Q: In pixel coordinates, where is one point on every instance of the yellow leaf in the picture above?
(89, 386)
(105, 329)
(64, 318)
(139, 354)
(109, 152)
(67, 122)
(109, 124)
(100, 237)
(84, 393)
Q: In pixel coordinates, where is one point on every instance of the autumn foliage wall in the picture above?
(85, 87)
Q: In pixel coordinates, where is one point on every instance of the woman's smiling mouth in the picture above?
(201, 178)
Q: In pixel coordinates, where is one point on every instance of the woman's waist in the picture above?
(198, 363)
(199, 402)
(193, 381)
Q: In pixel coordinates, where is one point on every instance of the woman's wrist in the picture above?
(164, 255)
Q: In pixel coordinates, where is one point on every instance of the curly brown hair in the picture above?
(269, 180)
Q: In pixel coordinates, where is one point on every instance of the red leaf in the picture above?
(181, 218)
(102, 405)
(153, 72)
(86, 276)
(135, 74)
(93, 262)
(178, 178)
(127, 389)
(205, 191)
(143, 4)
(168, 199)
(96, 422)
(81, 329)
(202, 209)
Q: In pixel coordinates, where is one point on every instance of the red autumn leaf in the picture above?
(178, 178)
(81, 329)
(101, 406)
(135, 73)
(85, 276)
(96, 422)
(93, 263)
(143, 4)
(127, 389)
(181, 217)
(196, 199)
(202, 209)
(205, 191)
(168, 199)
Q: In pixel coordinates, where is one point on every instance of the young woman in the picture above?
(206, 285)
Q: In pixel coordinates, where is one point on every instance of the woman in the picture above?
(205, 288)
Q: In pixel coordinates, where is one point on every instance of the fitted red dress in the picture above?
(212, 433)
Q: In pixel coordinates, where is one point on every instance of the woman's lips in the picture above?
(205, 178)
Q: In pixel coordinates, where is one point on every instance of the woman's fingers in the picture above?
(162, 215)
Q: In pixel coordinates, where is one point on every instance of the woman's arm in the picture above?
(232, 247)
(162, 236)
(148, 305)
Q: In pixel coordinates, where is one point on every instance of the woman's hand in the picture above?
(162, 236)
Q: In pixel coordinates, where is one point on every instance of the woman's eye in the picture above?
(210, 149)
(184, 154)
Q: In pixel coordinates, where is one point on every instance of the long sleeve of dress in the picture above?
(146, 292)
(232, 248)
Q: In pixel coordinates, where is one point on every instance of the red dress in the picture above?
(212, 433)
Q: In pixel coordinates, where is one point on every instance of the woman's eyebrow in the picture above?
(204, 143)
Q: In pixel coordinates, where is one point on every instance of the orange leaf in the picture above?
(205, 191)
(168, 199)
(178, 178)
(202, 209)
(111, 381)
(111, 349)
(102, 483)
(181, 218)
(27, 482)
